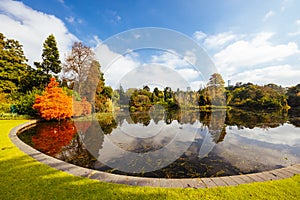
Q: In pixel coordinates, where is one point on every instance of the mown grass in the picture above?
(21, 177)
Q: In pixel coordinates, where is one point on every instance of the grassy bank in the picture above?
(21, 177)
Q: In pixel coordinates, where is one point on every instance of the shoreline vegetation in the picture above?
(42, 91)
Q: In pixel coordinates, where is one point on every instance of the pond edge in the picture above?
(276, 174)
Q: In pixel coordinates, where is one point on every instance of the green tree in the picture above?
(33, 79)
(255, 96)
(26, 101)
(140, 102)
(51, 62)
(294, 96)
(12, 64)
(157, 96)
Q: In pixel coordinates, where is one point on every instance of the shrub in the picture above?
(53, 103)
(24, 106)
(4, 103)
(12, 116)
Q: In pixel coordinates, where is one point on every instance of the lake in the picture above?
(173, 144)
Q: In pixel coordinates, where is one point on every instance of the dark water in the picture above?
(174, 144)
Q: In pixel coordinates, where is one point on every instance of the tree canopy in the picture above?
(78, 63)
(12, 64)
(294, 96)
(53, 104)
(255, 96)
(51, 62)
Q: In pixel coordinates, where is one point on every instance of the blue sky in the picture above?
(249, 41)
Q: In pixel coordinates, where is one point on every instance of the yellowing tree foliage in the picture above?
(53, 104)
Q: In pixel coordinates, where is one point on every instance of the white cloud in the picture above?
(293, 34)
(219, 40)
(31, 28)
(284, 4)
(70, 19)
(190, 57)
(196, 85)
(253, 52)
(170, 59)
(283, 74)
(188, 74)
(297, 31)
(269, 15)
(199, 35)
(114, 66)
(164, 69)
(183, 66)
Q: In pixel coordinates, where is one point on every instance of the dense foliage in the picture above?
(144, 99)
(54, 103)
(255, 96)
(294, 96)
(215, 94)
(12, 64)
(51, 62)
(25, 104)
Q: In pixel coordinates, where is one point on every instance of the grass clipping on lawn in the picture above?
(22, 177)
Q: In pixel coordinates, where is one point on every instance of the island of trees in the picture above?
(54, 89)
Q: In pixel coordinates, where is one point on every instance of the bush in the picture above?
(4, 107)
(14, 116)
(54, 104)
(4, 103)
(24, 106)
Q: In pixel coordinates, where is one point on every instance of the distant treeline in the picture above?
(215, 94)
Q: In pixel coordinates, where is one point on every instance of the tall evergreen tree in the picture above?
(12, 64)
(51, 62)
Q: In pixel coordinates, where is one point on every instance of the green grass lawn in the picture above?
(21, 177)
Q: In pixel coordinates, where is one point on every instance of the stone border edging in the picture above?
(276, 174)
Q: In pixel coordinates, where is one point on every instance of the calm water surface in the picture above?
(199, 144)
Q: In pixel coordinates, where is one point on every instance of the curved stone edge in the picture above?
(277, 174)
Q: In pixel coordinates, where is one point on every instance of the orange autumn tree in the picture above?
(53, 104)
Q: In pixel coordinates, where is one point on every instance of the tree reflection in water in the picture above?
(51, 137)
(67, 140)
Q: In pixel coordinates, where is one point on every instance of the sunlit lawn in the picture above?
(21, 177)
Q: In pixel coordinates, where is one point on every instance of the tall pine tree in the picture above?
(51, 62)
